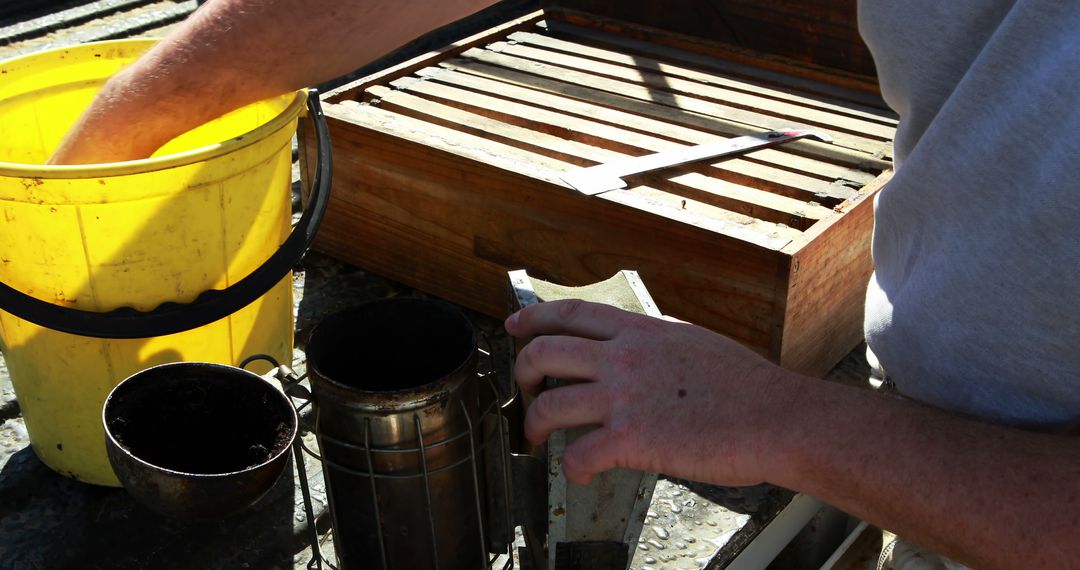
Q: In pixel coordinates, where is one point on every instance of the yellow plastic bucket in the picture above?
(135, 251)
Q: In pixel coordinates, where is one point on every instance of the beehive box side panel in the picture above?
(810, 37)
(453, 225)
(396, 224)
(823, 313)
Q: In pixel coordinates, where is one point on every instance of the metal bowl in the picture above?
(196, 440)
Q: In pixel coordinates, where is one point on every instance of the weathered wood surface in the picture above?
(828, 270)
(824, 32)
(448, 173)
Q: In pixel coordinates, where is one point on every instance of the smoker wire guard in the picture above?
(291, 384)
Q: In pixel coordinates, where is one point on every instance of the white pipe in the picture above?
(844, 546)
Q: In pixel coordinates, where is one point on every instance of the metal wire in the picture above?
(476, 480)
(374, 492)
(487, 436)
(504, 454)
(288, 381)
(309, 511)
(427, 490)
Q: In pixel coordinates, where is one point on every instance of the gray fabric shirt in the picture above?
(975, 302)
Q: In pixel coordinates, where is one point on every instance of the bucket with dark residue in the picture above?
(197, 440)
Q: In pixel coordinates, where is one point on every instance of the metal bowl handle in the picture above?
(209, 306)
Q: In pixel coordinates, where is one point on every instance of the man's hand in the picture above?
(666, 396)
(678, 399)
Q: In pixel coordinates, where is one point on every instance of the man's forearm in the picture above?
(234, 52)
(997, 497)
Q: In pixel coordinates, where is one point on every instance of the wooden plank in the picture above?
(709, 45)
(746, 200)
(608, 94)
(487, 152)
(735, 170)
(755, 73)
(646, 76)
(484, 150)
(740, 87)
(823, 31)
(813, 175)
(572, 152)
(756, 121)
(748, 205)
(348, 91)
(621, 141)
(829, 62)
(826, 288)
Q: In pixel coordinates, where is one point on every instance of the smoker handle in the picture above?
(209, 306)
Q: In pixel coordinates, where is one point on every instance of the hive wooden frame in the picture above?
(448, 174)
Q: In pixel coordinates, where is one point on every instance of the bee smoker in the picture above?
(422, 455)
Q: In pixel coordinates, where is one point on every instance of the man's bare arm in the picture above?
(986, 495)
(678, 399)
(234, 52)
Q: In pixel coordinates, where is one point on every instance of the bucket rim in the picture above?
(77, 171)
(396, 400)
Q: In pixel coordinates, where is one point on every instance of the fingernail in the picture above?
(511, 321)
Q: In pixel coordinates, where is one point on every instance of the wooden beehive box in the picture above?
(447, 175)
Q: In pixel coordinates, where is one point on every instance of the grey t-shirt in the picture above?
(975, 302)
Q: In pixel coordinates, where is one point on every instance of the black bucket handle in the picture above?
(211, 305)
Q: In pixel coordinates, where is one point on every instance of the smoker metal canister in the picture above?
(394, 384)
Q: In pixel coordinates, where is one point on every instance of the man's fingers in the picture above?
(568, 317)
(590, 454)
(569, 406)
(556, 356)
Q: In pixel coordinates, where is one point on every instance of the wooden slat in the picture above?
(572, 152)
(430, 58)
(757, 121)
(709, 46)
(820, 31)
(490, 153)
(535, 165)
(643, 106)
(809, 173)
(735, 170)
(656, 80)
(624, 142)
(741, 87)
(733, 197)
(757, 73)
